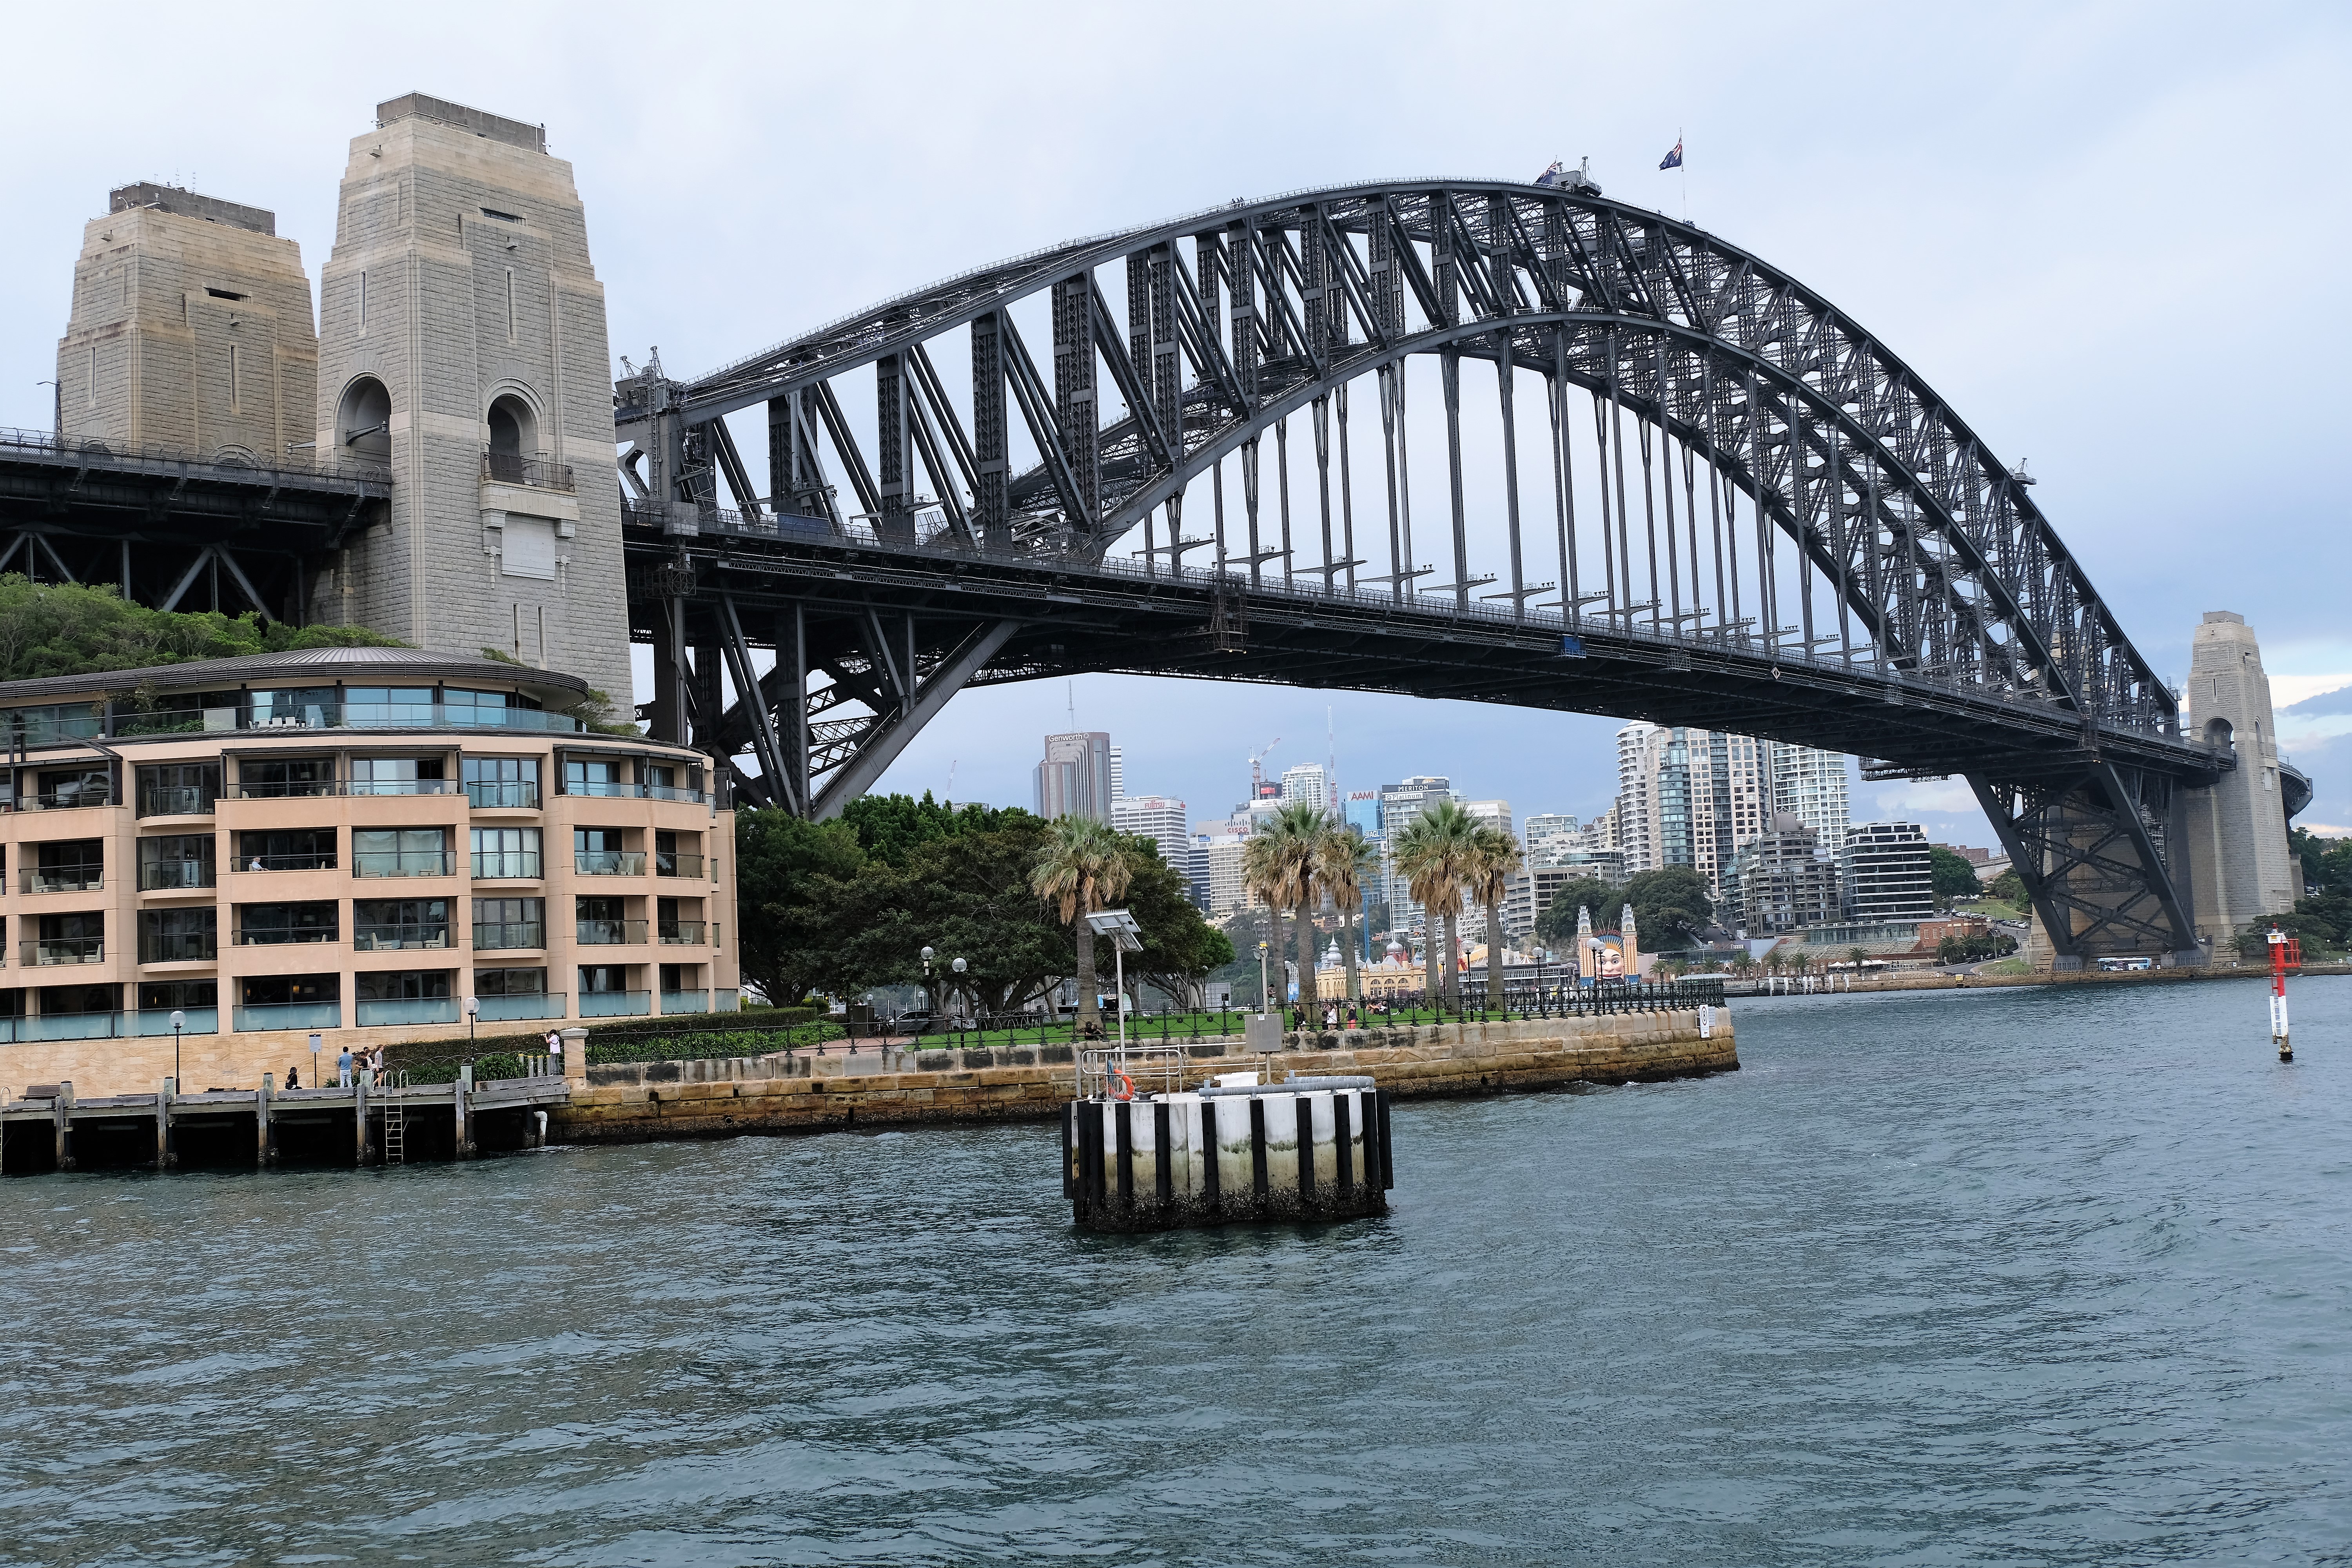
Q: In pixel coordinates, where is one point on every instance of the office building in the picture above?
(1310, 782)
(1073, 780)
(1221, 855)
(1159, 818)
(1888, 873)
(1117, 775)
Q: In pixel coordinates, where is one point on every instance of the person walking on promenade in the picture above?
(343, 1068)
(555, 1052)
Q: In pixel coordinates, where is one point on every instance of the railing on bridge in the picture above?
(224, 464)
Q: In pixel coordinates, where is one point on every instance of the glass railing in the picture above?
(505, 1009)
(510, 933)
(45, 950)
(616, 1003)
(285, 789)
(392, 938)
(406, 1010)
(677, 864)
(65, 800)
(681, 933)
(177, 800)
(404, 863)
(288, 1016)
(507, 865)
(68, 1027)
(502, 795)
(726, 1001)
(63, 878)
(48, 731)
(162, 876)
(402, 786)
(609, 862)
(685, 1001)
(305, 861)
(178, 947)
(286, 936)
(673, 792)
(158, 1021)
(611, 788)
(610, 933)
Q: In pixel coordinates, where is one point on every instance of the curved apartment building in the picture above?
(360, 844)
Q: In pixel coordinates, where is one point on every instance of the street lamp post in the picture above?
(930, 996)
(1126, 938)
(1264, 984)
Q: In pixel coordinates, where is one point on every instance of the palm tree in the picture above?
(1493, 860)
(1343, 857)
(1297, 831)
(1433, 852)
(1081, 868)
(1263, 873)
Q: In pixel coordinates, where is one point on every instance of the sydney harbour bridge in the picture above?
(1182, 450)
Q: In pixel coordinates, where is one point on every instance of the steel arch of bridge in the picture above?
(1968, 637)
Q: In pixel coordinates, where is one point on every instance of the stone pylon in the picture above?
(2235, 845)
(1586, 966)
(462, 344)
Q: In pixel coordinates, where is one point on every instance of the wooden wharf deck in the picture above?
(362, 1124)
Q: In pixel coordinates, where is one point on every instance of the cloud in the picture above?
(2294, 690)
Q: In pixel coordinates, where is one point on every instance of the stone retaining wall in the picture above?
(805, 1092)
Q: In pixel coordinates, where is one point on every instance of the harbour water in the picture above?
(2018, 1275)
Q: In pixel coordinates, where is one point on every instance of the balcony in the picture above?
(513, 468)
(609, 862)
(63, 878)
(402, 786)
(396, 938)
(685, 1002)
(65, 1027)
(407, 1010)
(404, 863)
(44, 951)
(610, 933)
(606, 788)
(616, 1003)
(306, 860)
(177, 800)
(178, 947)
(678, 865)
(672, 791)
(66, 800)
(502, 795)
(681, 933)
(506, 865)
(497, 936)
(286, 789)
(290, 1016)
(511, 1009)
(288, 936)
(173, 876)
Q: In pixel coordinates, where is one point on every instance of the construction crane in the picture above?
(1257, 774)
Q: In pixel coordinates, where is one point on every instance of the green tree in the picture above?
(1434, 851)
(893, 827)
(1493, 859)
(1556, 925)
(791, 881)
(2009, 888)
(1278, 865)
(1952, 875)
(1671, 906)
(1081, 868)
(71, 629)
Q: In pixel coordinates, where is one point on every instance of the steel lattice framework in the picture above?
(1771, 524)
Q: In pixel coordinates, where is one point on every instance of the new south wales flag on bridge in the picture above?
(1673, 160)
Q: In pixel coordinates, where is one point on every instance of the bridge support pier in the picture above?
(2089, 848)
(2235, 830)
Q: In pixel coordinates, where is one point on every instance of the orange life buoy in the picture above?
(1125, 1084)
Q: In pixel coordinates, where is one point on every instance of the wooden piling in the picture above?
(265, 1133)
(359, 1118)
(166, 1157)
(461, 1111)
(62, 1107)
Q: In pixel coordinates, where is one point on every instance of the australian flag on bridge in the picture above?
(1673, 160)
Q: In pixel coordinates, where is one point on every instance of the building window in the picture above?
(363, 304)
(379, 925)
(235, 404)
(179, 789)
(604, 977)
(506, 853)
(510, 305)
(274, 925)
(502, 781)
(511, 983)
(399, 852)
(399, 776)
(402, 985)
(301, 777)
(90, 396)
(179, 936)
(509, 923)
(176, 860)
(287, 849)
(164, 995)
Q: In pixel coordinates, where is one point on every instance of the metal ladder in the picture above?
(396, 1128)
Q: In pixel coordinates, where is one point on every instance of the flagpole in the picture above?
(1684, 166)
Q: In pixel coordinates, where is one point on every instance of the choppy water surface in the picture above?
(1993, 1278)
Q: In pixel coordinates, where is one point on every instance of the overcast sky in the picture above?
(2106, 233)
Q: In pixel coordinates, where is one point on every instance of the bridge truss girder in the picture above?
(1966, 636)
